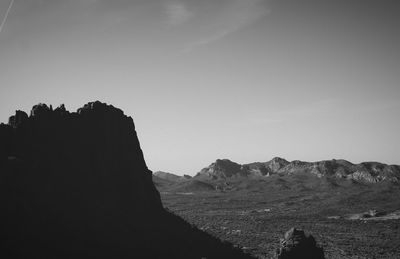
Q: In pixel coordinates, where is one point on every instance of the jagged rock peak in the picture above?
(17, 119)
(223, 165)
(40, 109)
(99, 140)
(224, 162)
(279, 160)
(277, 163)
(222, 169)
(43, 110)
(61, 110)
(98, 106)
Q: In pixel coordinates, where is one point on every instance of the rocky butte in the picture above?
(75, 185)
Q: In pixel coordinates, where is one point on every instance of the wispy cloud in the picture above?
(235, 15)
(177, 13)
(3, 22)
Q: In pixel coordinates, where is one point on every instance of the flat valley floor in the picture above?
(256, 217)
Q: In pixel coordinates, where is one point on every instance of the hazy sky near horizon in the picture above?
(240, 79)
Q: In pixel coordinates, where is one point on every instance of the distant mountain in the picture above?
(222, 169)
(169, 176)
(369, 172)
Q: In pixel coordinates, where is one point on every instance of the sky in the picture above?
(246, 80)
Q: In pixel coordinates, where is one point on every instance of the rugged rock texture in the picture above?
(75, 185)
(369, 172)
(296, 244)
(267, 168)
(222, 169)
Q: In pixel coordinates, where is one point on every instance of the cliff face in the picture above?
(76, 185)
(96, 151)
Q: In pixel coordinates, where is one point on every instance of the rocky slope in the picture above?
(169, 177)
(222, 169)
(368, 172)
(75, 185)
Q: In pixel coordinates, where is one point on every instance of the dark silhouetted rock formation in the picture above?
(75, 185)
(297, 245)
(17, 119)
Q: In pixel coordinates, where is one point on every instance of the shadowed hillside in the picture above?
(168, 176)
(75, 185)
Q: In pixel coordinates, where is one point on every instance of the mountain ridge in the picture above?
(370, 172)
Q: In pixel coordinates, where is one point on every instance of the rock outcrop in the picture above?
(222, 169)
(75, 185)
(296, 244)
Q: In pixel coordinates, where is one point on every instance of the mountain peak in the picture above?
(279, 159)
(221, 169)
(224, 162)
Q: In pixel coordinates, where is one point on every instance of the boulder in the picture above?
(297, 245)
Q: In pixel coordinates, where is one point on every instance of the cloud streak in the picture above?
(6, 15)
(235, 15)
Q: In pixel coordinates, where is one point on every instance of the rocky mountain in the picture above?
(369, 172)
(222, 169)
(75, 185)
